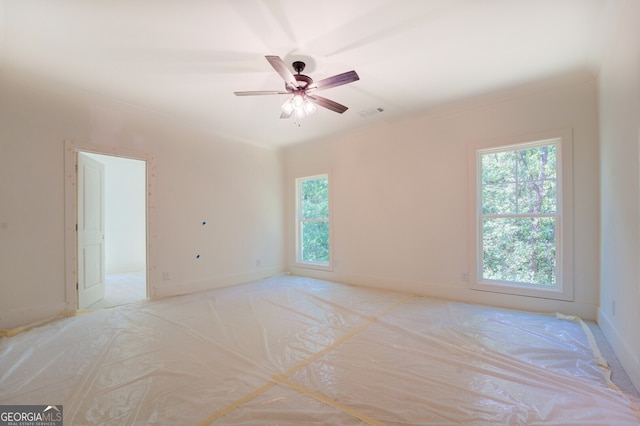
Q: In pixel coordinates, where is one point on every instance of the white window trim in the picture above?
(298, 262)
(564, 289)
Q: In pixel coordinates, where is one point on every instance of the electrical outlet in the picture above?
(464, 276)
(165, 276)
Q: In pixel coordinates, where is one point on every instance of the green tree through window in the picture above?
(519, 215)
(313, 220)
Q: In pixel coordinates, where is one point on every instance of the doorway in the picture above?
(111, 236)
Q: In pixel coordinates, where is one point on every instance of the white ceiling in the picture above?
(185, 59)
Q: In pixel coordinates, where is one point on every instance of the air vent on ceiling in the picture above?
(371, 111)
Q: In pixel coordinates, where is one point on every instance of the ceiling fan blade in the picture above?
(327, 103)
(285, 115)
(336, 80)
(261, 92)
(281, 68)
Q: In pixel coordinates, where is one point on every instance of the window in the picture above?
(520, 221)
(313, 228)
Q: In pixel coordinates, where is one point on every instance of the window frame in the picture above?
(563, 288)
(299, 262)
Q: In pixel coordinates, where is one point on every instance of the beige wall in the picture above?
(401, 193)
(619, 90)
(235, 188)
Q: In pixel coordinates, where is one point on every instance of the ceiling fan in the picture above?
(303, 88)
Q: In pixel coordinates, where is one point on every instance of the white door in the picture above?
(91, 255)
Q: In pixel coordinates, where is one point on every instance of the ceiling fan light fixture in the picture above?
(288, 107)
(299, 106)
(309, 107)
(299, 113)
(298, 102)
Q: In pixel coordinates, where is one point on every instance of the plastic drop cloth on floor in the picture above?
(302, 351)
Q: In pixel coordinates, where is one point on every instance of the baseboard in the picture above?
(459, 292)
(169, 289)
(627, 357)
(25, 316)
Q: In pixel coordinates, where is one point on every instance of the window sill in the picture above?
(554, 293)
(312, 265)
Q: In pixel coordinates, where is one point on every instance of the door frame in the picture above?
(71, 210)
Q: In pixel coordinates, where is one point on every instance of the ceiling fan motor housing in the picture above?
(303, 80)
(298, 66)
